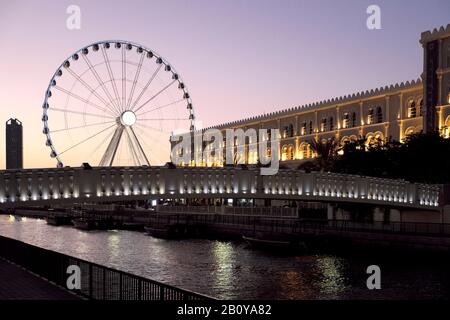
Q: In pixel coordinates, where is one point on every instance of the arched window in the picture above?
(354, 119)
(379, 138)
(409, 131)
(379, 115)
(290, 155)
(345, 121)
(323, 125)
(303, 129)
(412, 112)
(310, 127)
(284, 153)
(448, 57)
(370, 139)
(331, 123)
(305, 151)
(345, 140)
(373, 139)
(420, 107)
(290, 130)
(269, 134)
(446, 128)
(370, 116)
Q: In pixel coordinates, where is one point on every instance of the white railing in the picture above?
(37, 186)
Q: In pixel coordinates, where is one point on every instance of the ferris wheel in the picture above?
(115, 103)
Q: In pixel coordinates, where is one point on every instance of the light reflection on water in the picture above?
(230, 269)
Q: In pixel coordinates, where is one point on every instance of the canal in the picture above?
(232, 270)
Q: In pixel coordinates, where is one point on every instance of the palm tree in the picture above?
(326, 152)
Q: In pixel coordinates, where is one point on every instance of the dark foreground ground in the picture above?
(19, 284)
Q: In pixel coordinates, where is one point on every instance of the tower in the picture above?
(436, 79)
(14, 145)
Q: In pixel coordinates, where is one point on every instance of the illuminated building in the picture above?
(390, 112)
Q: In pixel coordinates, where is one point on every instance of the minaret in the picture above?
(14, 144)
(436, 78)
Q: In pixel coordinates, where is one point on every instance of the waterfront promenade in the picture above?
(97, 282)
(19, 284)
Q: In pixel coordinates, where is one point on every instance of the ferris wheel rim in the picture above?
(145, 50)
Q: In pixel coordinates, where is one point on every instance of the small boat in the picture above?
(267, 244)
(84, 224)
(58, 220)
(162, 233)
(134, 226)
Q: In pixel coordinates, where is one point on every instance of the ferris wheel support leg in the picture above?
(110, 153)
(133, 152)
(144, 156)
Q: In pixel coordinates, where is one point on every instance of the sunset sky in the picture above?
(238, 58)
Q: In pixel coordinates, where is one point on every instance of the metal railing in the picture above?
(416, 228)
(97, 281)
(297, 226)
(253, 211)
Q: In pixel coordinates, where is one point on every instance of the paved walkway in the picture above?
(18, 284)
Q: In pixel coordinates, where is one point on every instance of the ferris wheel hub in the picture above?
(128, 118)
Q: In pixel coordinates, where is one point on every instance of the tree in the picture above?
(420, 158)
(326, 152)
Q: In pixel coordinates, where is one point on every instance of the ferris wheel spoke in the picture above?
(154, 96)
(146, 144)
(151, 128)
(164, 119)
(110, 73)
(146, 87)
(99, 80)
(136, 76)
(83, 126)
(82, 113)
(84, 100)
(87, 86)
(160, 107)
(98, 147)
(87, 139)
(124, 78)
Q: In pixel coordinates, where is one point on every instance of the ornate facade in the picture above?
(390, 112)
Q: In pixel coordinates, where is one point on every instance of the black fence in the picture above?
(97, 282)
(411, 228)
(293, 226)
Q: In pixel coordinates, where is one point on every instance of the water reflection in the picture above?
(231, 270)
(113, 243)
(332, 280)
(223, 256)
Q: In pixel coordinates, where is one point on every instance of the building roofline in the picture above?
(435, 34)
(388, 89)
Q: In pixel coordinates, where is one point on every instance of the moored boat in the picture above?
(266, 243)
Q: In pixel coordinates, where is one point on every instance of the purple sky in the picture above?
(238, 58)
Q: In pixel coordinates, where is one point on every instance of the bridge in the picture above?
(72, 185)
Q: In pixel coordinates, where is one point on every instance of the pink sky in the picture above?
(238, 58)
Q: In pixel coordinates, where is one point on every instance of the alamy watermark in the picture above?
(74, 279)
(374, 280)
(73, 21)
(373, 22)
(237, 147)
